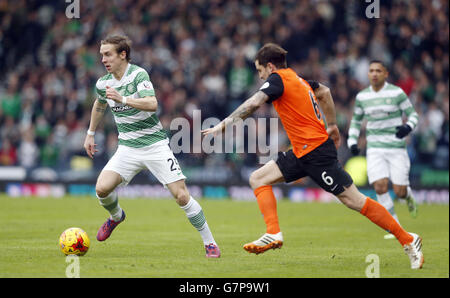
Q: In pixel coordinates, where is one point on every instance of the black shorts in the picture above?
(321, 165)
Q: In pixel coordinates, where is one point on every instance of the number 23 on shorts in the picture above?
(174, 166)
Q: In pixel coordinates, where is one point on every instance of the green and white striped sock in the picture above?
(196, 217)
(111, 204)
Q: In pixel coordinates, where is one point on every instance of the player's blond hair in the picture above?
(121, 43)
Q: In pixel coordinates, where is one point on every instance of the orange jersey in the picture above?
(299, 113)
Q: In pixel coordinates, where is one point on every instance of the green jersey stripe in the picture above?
(127, 90)
(389, 123)
(385, 117)
(370, 95)
(380, 101)
(139, 125)
(409, 111)
(101, 92)
(386, 138)
(144, 93)
(382, 131)
(355, 124)
(132, 68)
(141, 77)
(139, 133)
(386, 145)
(145, 140)
(106, 77)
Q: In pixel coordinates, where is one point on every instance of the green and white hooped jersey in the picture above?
(136, 128)
(383, 111)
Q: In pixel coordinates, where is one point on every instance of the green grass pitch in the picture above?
(157, 240)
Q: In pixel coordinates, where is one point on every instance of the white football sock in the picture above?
(111, 204)
(386, 200)
(196, 217)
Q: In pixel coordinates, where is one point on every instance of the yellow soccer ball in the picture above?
(74, 241)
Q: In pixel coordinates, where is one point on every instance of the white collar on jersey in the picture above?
(124, 73)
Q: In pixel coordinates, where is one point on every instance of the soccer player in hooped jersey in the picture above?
(143, 144)
(314, 151)
(382, 105)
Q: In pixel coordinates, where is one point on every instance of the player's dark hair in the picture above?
(121, 43)
(272, 53)
(379, 62)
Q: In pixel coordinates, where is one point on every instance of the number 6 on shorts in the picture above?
(327, 179)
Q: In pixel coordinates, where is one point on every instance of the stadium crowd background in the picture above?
(199, 55)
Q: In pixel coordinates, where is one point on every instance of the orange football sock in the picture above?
(268, 205)
(381, 217)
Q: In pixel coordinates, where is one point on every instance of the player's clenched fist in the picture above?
(112, 93)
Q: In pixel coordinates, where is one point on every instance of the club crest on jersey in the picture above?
(131, 89)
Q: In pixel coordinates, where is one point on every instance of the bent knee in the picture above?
(352, 199)
(182, 196)
(102, 190)
(350, 203)
(381, 188)
(106, 183)
(400, 192)
(254, 181)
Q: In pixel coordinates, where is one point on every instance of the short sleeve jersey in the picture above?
(294, 100)
(383, 110)
(136, 128)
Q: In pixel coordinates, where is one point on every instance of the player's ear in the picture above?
(123, 55)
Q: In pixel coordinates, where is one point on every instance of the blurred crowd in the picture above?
(199, 54)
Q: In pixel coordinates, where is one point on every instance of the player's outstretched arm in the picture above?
(323, 95)
(241, 113)
(98, 109)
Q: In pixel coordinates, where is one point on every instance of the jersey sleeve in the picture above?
(314, 84)
(100, 92)
(407, 107)
(144, 86)
(355, 124)
(273, 87)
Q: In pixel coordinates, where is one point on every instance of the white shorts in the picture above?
(388, 163)
(158, 159)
